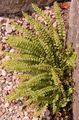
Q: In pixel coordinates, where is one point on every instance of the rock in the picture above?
(19, 103)
(3, 60)
(1, 47)
(4, 73)
(8, 28)
(26, 118)
(47, 113)
(8, 88)
(0, 38)
(40, 19)
(13, 29)
(1, 113)
(2, 20)
(2, 100)
(3, 40)
(14, 6)
(10, 109)
(51, 13)
(0, 89)
(7, 48)
(54, 24)
(6, 104)
(7, 58)
(44, 2)
(20, 22)
(3, 29)
(47, 8)
(35, 118)
(2, 80)
(12, 50)
(48, 118)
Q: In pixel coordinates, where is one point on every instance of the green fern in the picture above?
(44, 62)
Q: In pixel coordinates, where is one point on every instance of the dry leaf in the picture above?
(64, 5)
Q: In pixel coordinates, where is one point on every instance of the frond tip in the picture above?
(60, 22)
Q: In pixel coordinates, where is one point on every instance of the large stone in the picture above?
(43, 2)
(13, 6)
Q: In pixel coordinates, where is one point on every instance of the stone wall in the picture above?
(13, 6)
(74, 37)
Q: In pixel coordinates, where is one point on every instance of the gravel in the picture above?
(8, 80)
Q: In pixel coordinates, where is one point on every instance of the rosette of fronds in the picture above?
(45, 63)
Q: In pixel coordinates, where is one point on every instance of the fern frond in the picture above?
(15, 65)
(52, 32)
(40, 110)
(36, 80)
(28, 102)
(45, 90)
(25, 45)
(41, 13)
(24, 77)
(71, 60)
(44, 37)
(25, 57)
(60, 22)
(19, 93)
(23, 67)
(55, 77)
(55, 102)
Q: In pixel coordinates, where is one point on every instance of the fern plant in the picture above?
(44, 61)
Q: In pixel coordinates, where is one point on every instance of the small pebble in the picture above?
(51, 13)
(2, 20)
(3, 29)
(4, 73)
(7, 58)
(35, 118)
(26, 118)
(8, 28)
(1, 113)
(10, 109)
(6, 105)
(54, 24)
(1, 47)
(12, 50)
